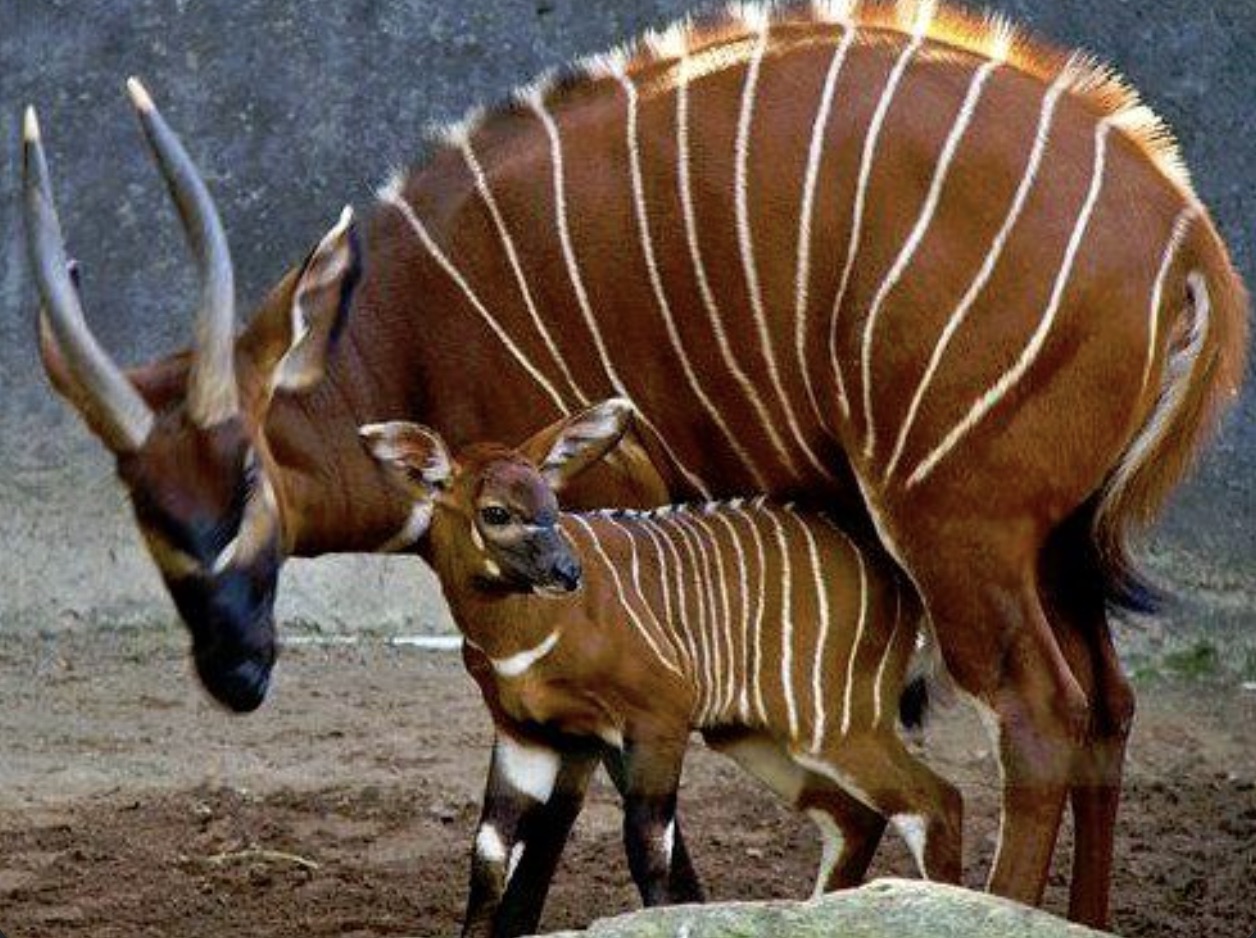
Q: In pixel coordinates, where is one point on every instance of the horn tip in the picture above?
(30, 125)
(140, 97)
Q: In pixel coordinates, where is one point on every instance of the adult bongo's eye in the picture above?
(494, 516)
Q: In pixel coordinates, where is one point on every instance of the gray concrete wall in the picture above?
(293, 108)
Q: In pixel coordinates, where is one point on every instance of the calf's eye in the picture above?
(494, 516)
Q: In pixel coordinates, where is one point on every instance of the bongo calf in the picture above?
(760, 625)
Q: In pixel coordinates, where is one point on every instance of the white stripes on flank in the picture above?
(676, 619)
(660, 293)
(512, 255)
(861, 194)
(711, 620)
(820, 655)
(857, 641)
(535, 101)
(1029, 355)
(787, 627)
(662, 627)
(912, 244)
(394, 199)
(1041, 135)
(697, 626)
(731, 681)
(1180, 226)
(664, 659)
(745, 243)
(709, 302)
(743, 587)
(756, 641)
(815, 154)
(879, 680)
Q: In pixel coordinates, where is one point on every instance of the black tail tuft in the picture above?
(1083, 567)
(913, 703)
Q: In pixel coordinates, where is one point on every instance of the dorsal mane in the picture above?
(942, 28)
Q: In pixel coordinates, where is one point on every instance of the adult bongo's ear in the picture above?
(418, 455)
(565, 449)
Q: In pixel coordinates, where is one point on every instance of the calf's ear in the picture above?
(565, 449)
(416, 454)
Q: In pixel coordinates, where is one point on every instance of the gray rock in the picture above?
(886, 908)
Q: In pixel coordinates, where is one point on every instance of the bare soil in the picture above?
(130, 805)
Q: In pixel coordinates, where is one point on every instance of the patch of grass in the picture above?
(1195, 661)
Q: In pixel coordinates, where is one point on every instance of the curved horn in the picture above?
(212, 393)
(109, 402)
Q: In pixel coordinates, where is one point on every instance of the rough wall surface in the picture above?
(294, 108)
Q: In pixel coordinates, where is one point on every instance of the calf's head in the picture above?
(187, 431)
(496, 508)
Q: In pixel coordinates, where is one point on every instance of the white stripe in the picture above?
(861, 191)
(670, 659)
(746, 245)
(824, 618)
(756, 644)
(857, 641)
(394, 199)
(677, 618)
(1041, 135)
(619, 591)
(705, 576)
(704, 676)
(490, 202)
(663, 581)
(877, 684)
(802, 279)
(787, 628)
(731, 682)
(912, 244)
(516, 664)
(660, 294)
(537, 104)
(1029, 355)
(709, 302)
(1180, 226)
(743, 585)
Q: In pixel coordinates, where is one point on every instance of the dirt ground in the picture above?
(130, 805)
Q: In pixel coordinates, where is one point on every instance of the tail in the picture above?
(1204, 321)
(913, 704)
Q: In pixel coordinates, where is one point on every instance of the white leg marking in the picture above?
(709, 303)
(1041, 135)
(516, 854)
(486, 194)
(832, 842)
(537, 104)
(1180, 226)
(861, 192)
(802, 280)
(669, 841)
(609, 564)
(531, 770)
(517, 664)
(1029, 355)
(787, 627)
(745, 243)
(912, 827)
(912, 244)
(488, 844)
(394, 199)
(660, 294)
